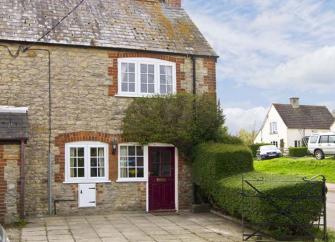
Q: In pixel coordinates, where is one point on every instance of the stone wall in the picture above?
(9, 182)
(82, 91)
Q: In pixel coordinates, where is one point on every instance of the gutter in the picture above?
(109, 48)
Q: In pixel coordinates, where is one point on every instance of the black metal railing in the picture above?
(296, 215)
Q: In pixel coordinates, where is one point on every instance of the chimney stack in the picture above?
(294, 101)
(173, 3)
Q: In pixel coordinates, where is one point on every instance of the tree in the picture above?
(247, 137)
(183, 120)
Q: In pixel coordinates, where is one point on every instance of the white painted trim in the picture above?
(87, 179)
(145, 164)
(149, 61)
(12, 109)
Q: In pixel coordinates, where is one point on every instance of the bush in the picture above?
(227, 196)
(213, 161)
(255, 147)
(217, 171)
(298, 151)
(183, 120)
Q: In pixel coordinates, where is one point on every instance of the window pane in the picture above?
(144, 88)
(132, 172)
(162, 70)
(124, 87)
(131, 78)
(163, 89)
(169, 89)
(131, 162)
(163, 80)
(324, 139)
(139, 150)
(314, 139)
(94, 172)
(131, 150)
(151, 79)
(73, 152)
(81, 172)
(144, 78)
(131, 67)
(151, 88)
(123, 67)
(101, 172)
(73, 162)
(73, 172)
(140, 172)
(101, 162)
(123, 172)
(131, 87)
(81, 162)
(139, 161)
(101, 152)
(93, 152)
(332, 139)
(168, 70)
(94, 162)
(144, 68)
(81, 152)
(123, 150)
(123, 162)
(151, 69)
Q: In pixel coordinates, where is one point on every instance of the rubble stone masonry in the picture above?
(84, 107)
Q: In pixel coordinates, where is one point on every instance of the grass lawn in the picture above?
(306, 166)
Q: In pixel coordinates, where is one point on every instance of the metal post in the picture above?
(324, 196)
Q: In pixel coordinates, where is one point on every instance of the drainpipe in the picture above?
(22, 178)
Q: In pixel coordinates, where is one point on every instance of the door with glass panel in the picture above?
(161, 178)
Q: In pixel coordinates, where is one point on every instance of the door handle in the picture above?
(81, 191)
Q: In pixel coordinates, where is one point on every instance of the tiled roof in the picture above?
(127, 24)
(305, 116)
(13, 126)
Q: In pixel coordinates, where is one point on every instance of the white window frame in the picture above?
(273, 128)
(149, 61)
(145, 164)
(86, 145)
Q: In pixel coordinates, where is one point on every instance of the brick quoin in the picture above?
(113, 69)
(210, 79)
(62, 139)
(3, 185)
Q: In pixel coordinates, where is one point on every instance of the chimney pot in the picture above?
(294, 101)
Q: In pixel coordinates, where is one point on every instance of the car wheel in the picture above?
(319, 155)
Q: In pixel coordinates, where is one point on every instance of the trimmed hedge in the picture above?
(255, 147)
(298, 151)
(214, 161)
(218, 170)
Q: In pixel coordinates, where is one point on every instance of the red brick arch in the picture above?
(62, 139)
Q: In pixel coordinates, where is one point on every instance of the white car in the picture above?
(268, 152)
(321, 145)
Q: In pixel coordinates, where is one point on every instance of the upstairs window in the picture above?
(144, 77)
(273, 128)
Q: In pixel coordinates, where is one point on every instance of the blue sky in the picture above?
(269, 51)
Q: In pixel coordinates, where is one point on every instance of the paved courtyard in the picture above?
(122, 227)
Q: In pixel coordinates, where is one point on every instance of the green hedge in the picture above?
(298, 151)
(214, 161)
(227, 195)
(255, 147)
(218, 169)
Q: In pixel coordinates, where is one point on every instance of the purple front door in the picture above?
(161, 178)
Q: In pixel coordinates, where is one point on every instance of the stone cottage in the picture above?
(68, 71)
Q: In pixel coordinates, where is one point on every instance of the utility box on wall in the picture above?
(86, 195)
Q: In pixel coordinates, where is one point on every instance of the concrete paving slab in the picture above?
(131, 227)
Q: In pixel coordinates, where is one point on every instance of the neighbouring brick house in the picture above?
(102, 56)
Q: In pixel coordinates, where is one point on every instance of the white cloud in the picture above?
(249, 119)
(268, 39)
(312, 71)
